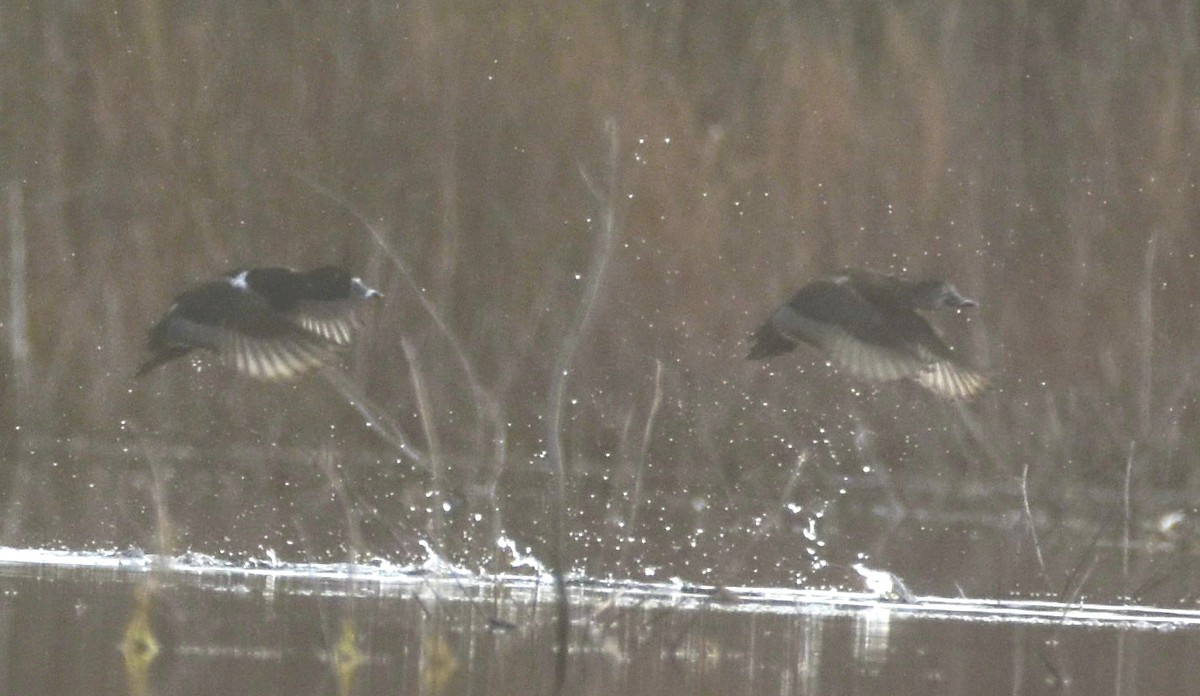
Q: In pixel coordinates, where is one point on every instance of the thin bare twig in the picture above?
(558, 390)
(644, 454)
(1081, 572)
(16, 508)
(386, 428)
(18, 291)
(1145, 335)
(1128, 516)
(326, 463)
(1037, 545)
(435, 449)
(485, 403)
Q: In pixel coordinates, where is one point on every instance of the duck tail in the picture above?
(160, 358)
(768, 341)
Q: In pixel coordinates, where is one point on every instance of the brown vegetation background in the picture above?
(1040, 156)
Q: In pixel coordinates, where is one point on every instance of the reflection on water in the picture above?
(140, 647)
(347, 657)
(871, 631)
(111, 624)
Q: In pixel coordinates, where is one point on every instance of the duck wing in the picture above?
(953, 381)
(245, 332)
(932, 359)
(333, 320)
(310, 300)
(872, 341)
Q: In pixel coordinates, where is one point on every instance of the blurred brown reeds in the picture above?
(1037, 155)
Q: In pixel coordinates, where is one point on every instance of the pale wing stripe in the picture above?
(262, 358)
(296, 364)
(305, 358)
(312, 358)
(246, 357)
(947, 379)
(338, 331)
(262, 364)
(286, 361)
(940, 375)
(239, 355)
(870, 362)
(276, 368)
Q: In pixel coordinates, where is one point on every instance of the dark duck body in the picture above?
(868, 324)
(268, 323)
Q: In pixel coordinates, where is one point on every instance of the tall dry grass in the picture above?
(1039, 157)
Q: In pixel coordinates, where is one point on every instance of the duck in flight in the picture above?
(268, 323)
(868, 324)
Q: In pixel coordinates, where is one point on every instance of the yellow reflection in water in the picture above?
(439, 666)
(347, 657)
(140, 646)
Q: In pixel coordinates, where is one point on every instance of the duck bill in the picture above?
(957, 301)
(364, 290)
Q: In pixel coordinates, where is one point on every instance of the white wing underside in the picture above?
(875, 363)
(333, 321)
(951, 380)
(276, 358)
(337, 331)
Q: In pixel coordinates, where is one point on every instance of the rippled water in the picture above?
(127, 623)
